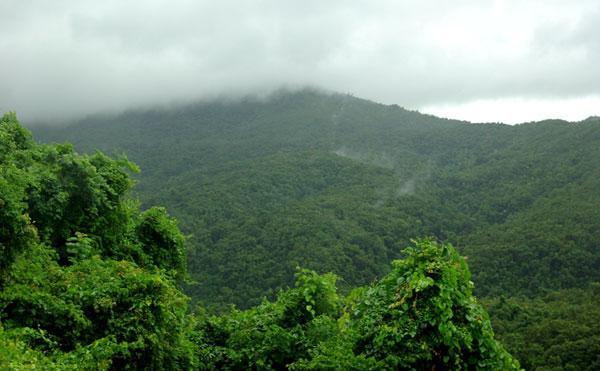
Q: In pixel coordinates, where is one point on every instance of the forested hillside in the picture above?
(88, 281)
(334, 183)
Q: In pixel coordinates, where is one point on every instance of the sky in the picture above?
(479, 60)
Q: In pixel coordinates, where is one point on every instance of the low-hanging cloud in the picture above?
(61, 59)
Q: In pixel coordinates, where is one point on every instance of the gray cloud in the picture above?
(60, 59)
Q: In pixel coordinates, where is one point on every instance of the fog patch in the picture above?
(407, 188)
(69, 58)
(383, 160)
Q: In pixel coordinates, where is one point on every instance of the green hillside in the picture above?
(89, 282)
(335, 183)
(341, 183)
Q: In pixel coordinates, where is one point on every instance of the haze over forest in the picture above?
(493, 61)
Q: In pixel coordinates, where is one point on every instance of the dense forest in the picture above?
(333, 183)
(88, 281)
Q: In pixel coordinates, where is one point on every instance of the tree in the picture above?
(423, 315)
(86, 279)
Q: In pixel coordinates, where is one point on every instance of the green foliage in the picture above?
(92, 286)
(422, 315)
(274, 334)
(72, 193)
(139, 316)
(13, 137)
(559, 331)
(87, 280)
(340, 184)
(16, 231)
(335, 183)
(162, 241)
(15, 354)
(318, 293)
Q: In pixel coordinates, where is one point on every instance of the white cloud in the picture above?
(65, 58)
(519, 110)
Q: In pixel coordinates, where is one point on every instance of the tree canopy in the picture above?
(89, 281)
(338, 184)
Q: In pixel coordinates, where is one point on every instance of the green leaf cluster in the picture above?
(421, 316)
(87, 281)
(559, 331)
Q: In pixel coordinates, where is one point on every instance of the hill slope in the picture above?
(87, 281)
(336, 183)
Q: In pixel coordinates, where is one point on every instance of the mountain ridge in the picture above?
(481, 175)
(335, 183)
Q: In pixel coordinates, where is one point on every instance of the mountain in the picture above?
(336, 183)
(333, 182)
(89, 282)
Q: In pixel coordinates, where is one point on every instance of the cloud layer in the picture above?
(61, 59)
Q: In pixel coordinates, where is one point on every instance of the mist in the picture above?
(61, 60)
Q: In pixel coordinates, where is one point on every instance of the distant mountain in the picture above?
(336, 183)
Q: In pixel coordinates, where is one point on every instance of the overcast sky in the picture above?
(478, 60)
